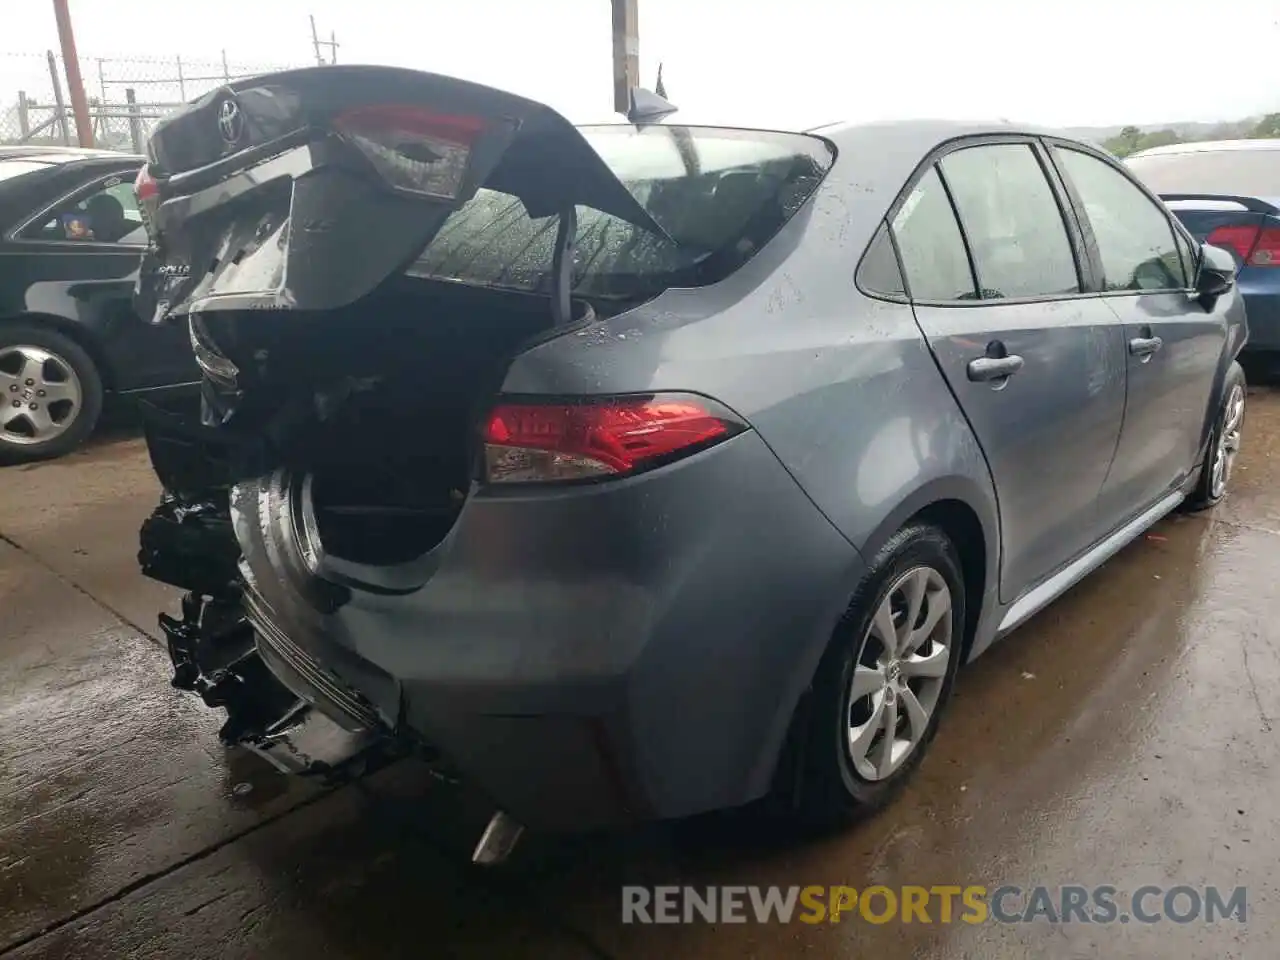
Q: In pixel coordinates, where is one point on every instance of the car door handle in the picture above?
(1145, 346)
(986, 369)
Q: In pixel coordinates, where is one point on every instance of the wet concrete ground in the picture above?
(1126, 736)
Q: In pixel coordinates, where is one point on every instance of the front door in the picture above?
(1036, 366)
(1173, 344)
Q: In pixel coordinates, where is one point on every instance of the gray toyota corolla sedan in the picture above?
(634, 471)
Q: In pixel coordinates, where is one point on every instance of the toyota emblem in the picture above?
(230, 122)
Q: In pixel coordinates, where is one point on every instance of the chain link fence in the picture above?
(126, 96)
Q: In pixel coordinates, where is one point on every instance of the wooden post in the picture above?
(135, 119)
(71, 64)
(24, 116)
(626, 52)
(58, 103)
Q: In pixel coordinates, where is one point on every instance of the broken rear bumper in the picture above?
(217, 654)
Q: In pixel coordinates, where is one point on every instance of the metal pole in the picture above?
(315, 41)
(59, 104)
(24, 118)
(333, 46)
(71, 64)
(626, 52)
(226, 74)
(135, 119)
(182, 85)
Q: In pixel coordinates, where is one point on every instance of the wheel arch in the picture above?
(967, 513)
(78, 333)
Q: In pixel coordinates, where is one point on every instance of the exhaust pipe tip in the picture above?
(498, 841)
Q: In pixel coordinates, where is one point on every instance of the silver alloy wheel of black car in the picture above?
(1228, 446)
(40, 393)
(900, 673)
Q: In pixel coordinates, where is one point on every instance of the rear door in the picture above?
(991, 260)
(1173, 344)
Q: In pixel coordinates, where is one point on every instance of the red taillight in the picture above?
(1237, 237)
(537, 442)
(1266, 251)
(413, 149)
(1257, 247)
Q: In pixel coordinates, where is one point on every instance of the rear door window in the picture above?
(1012, 221)
(1135, 237)
(931, 245)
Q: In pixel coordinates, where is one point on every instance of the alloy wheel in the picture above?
(901, 670)
(40, 395)
(1224, 455)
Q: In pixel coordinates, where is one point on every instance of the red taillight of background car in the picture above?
(414, 150)
(1256, 247)
(599, 438)
(1266, 250)
(147, 191)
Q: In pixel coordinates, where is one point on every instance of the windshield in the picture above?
(16, 168)
(719, 194)
(1246, 173)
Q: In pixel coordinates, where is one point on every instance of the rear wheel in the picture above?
(50, 393)
(1224, 443)
(884, 681)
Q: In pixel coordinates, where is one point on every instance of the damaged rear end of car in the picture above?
(284, 214)
(360, 254)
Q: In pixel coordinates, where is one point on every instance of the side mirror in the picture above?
(1216, 274)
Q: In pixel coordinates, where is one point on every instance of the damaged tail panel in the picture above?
(222, 646)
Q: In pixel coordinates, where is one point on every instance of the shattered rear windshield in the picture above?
(719, 194)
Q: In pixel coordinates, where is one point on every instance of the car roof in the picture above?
(38, 153)
(929, 133)
(1209, 146)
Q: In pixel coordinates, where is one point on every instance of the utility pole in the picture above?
(626, 52)
(71, 64)
(317, 43)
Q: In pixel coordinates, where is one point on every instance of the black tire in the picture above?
(820, 786)
(83, 418)
(1205, 496)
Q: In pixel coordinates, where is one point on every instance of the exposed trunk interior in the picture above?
(379, 403)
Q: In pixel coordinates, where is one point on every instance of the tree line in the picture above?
(1132, 139)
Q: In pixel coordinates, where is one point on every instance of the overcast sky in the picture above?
(787, 62)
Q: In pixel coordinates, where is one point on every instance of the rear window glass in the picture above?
(1249, 173)
(719, 194)
(17, 168)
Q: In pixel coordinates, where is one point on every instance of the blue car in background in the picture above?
(1227, 193)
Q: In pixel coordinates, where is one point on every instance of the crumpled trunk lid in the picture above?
(304, 190)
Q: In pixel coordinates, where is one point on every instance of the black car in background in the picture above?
(70, 240)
